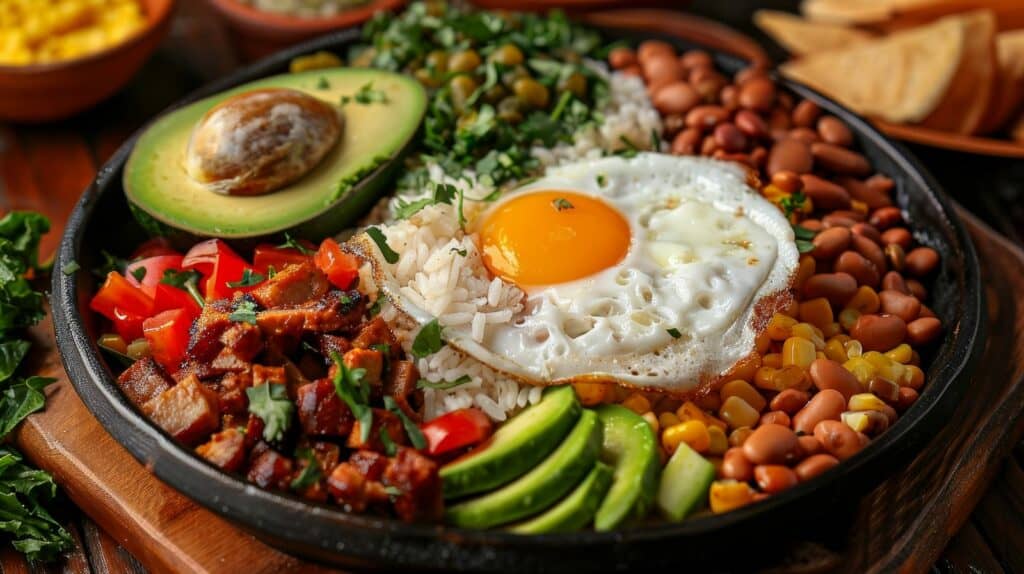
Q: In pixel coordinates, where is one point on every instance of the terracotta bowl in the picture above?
(45, 92)
(258, 33)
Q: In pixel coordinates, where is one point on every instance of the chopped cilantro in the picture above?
(674, 332)
(382, 243)
(366, 95)
(655, 140)
(374, 309)
(461, 252)
(561, 204)
(804, 246)
(428, 341)
(393, 490)
(793, 204)
(322, 83)
(390, 448)
(271, 404)
(70, 267)
(139, 273)
(249, 278)
(185, 280)
(350, 386)
(443, 385)
(291, 243)
(802, 232)
(245, 312)
(601, 179)
(110, 263)
(311, 473)
(411, 429)
(630, 150)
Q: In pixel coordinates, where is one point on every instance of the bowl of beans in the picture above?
(261, 27)
(62, 57)
(848, 381)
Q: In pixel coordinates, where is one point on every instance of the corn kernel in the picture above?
(884, 366)
(652, 420)
(848, 318)
(901, 354)
(762, 343)
(773, 360)
(666, 420)
(591, 394)
(726, 495)
(835, 350)
(913, 377)
(694, 433)
(867, 422)
(791, 377)
(719, 443)
(798, 351)
(831, 330)
(853, 348)
(739, 436)
(736, 412)
(743, 390)
(866, 402)
(857, 421)
(864, 301)
(811, 333)
(691, 412)
(805, 269)
(637, 403)
(780, 327)
(817, 312)
(792, 308)
(861, 369)
(763, 378)
(745, 368)
(884, 389)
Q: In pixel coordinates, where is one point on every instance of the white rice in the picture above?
(434, 275)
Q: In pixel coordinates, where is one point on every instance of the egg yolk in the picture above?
(547, 237)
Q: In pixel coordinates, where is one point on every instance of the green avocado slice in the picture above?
(322, 202)
(631, 449)
(518, 446)
(684, 483)
(575, 510)
(539, 488)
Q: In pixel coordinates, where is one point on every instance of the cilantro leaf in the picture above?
(351, 388)
(561, 204)
(802, 232)
(793, 203)
(291, 243)
(674, 332)
(382, 243)
(390, 448)
(245, 312)
(311, 473)
(139, 273)
(444, 385)
(186, 280)
(323, 84)
(415, 434)
(366, 95)
(428, 341)
(804, 246)
(271, 404)
(249, 278)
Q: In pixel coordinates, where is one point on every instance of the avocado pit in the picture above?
(262, 140)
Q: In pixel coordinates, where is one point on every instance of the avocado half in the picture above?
(324, 201)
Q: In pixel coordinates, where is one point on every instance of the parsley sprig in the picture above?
(351, 387)
(271, 404)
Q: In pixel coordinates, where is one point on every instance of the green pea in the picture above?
(465, 61)
(531, 92)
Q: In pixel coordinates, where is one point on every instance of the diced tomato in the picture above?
(218, 264)
(128, 325)
(118, 292)
(267, 255)
(167, 334)
(166, 297)
(153, 248)
(456, 430)
(154, 271)
(341, 268)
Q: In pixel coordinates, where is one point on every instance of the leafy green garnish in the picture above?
(366, 95)
(350, 386)
(601, 179)
(392, 491)
(793, 203)
(187, 280)
(311, 473)
(803, 238)
(443, 385)
(249, 278)
(461, 252)
(24, 495)
(630, 150)
(428, 341)
(271, 404)
(245, 312)
(139, 273)
(374, 309)
(674, 332)
(110, 263)
(382, 243)
(411, 429)
(561, 204)
(322, 83)
(292, 243)
(70, 267)
(442, 193)
(390, 448)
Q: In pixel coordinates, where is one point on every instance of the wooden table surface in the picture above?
(44, 167)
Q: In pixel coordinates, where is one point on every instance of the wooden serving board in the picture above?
(902, 525)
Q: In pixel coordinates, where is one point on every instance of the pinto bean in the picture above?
(789, 401)
(899, 236)
(834, 131)
(893, 281)
(838, 439)
(809, 446)
(790, 155)
(776, 418)
(867, 230)
(839, 160)
(855, 264)
(828, 374)
(706, 117)
(827, 404)
(835, 219)
(824, 193)
(831, 242)
(908, 396)
(838, 288)
(861, 191)
(686, 142)
(806, 113)
(917, 289)
(654, 48)
(895, 255)
(885, 217)
(921, 261)
(904, 306)
(771, 444)
(696, 59)
(621, 57)
(812, 466)
(730, 138)
(751, 124)
(773, 478)
(736, 466)
(787, 181)
(879, 332)
(757, 94)
(924, 330)
(803, 134)
(871, 251)
(661, 69)
(677, 97)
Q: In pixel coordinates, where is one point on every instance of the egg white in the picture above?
(709, 261)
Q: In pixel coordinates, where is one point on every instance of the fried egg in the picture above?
(654, 271)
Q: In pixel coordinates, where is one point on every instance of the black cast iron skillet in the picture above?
(101, 220)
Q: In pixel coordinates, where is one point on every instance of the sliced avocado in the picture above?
(539, 488)
(631, 449)
(684, 483)
(518, 446)
(575, 510)
(323, 201)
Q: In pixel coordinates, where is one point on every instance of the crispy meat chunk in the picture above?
(205, 343)
(227, 361)
(293, 285)
(330, 344)
(230, 391)
(272, 470)
(351, 488)
(244, 339)
(370, 360)
(282, 331)
(188, 411)
(225, 449)
(416, 476)
(371, 464)
(143, 381)
(376, 332)
(400, 383)
(262, 375)
(321, 412)
(382, 419)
